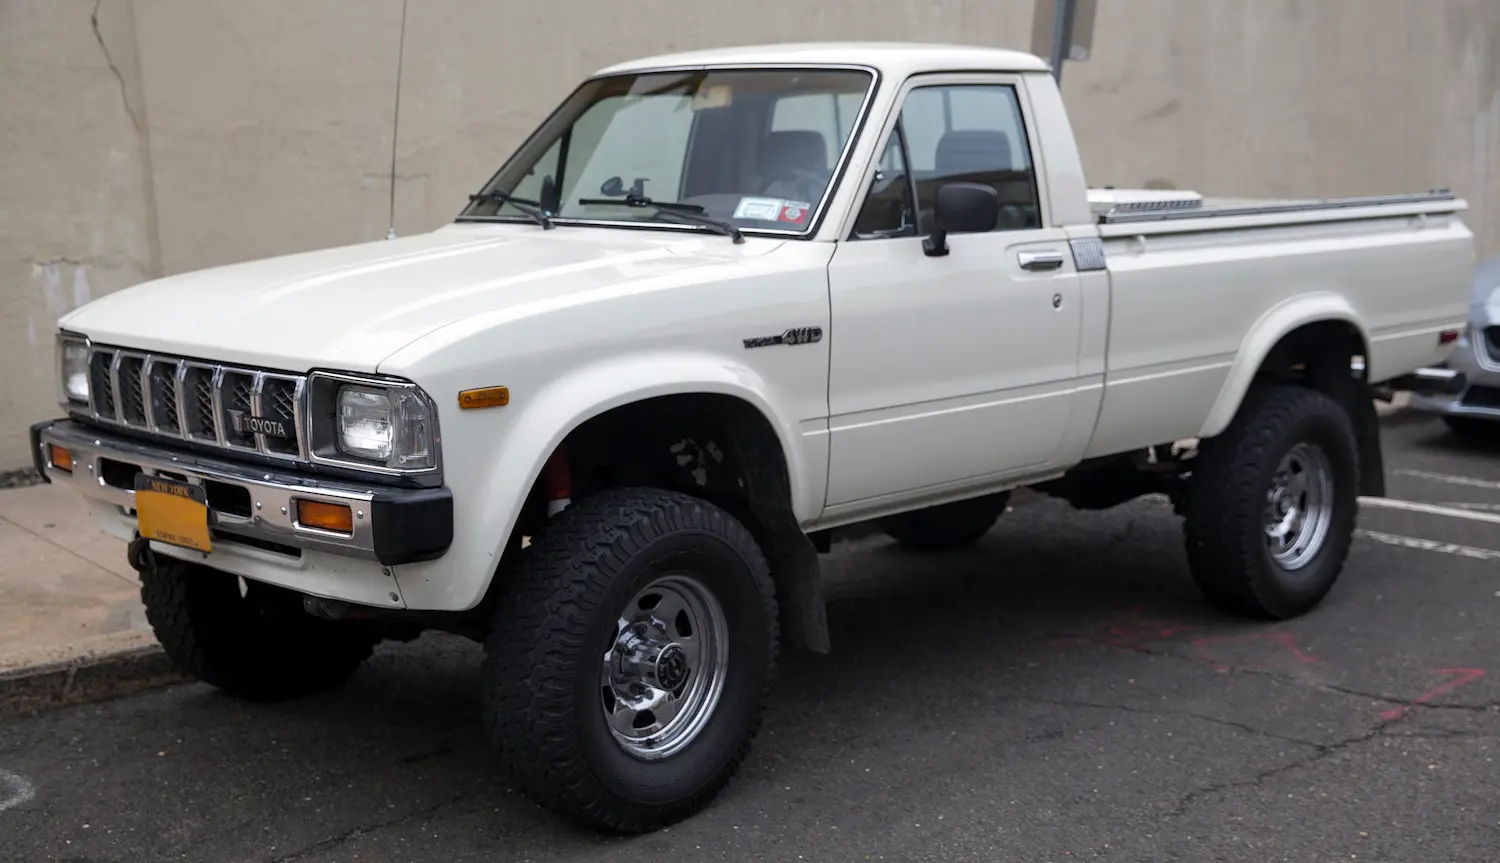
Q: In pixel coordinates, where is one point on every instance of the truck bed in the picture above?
(1138, 206)
(1199, 289)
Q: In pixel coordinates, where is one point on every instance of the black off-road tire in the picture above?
(556, 618)
(1474, 429)
(948, 526)
(1225, 505)
(259, 645)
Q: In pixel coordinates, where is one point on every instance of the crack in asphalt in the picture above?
(1186, 714)
(1325, 751)
(1393, 700)
(365, 829)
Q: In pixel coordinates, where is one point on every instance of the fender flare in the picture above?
(1262, 338)
(587, 392)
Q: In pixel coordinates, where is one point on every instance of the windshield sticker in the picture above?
(794, 211)
(760, 209)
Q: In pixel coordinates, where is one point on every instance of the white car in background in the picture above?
(1474, 410)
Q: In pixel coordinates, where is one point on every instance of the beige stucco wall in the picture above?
(145, 137)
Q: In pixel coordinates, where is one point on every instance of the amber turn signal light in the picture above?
(60, 457)
(485, 397)
(333, 517)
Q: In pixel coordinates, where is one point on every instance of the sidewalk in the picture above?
(62, 581)
(72, 627)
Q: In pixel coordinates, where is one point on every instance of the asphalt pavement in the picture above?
(1057, 693)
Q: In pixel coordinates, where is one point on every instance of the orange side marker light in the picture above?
(484, 397)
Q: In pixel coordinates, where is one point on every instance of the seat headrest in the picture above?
(803, 149)
(969, 151)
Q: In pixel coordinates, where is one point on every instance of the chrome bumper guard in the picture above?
(256, 504)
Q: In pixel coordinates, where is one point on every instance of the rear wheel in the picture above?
(948, 526)
(630, 661)
(1270, 507)
(249, 639)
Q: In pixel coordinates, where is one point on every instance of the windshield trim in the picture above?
(814, 225)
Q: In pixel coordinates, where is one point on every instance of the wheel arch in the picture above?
(601, 428)
(1286, 332)
(1312, 340)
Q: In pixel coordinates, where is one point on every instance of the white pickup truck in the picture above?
(716, 307)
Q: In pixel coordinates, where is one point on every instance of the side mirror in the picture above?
(961, 208)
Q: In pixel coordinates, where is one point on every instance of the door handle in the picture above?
(1048, 260)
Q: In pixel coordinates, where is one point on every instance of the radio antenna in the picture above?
(390, 233)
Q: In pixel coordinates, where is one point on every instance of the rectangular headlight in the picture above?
(389, 425)
(73, 369)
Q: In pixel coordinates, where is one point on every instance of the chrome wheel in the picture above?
(1299, 506)
(665, 668)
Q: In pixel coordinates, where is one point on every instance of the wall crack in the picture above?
(135, 121)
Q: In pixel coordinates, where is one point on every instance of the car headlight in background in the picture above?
(73, 369)
(381, 424)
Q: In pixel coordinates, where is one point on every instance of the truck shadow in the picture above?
(925, 646)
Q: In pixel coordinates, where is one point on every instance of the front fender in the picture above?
(497, 480)
(1262, 337)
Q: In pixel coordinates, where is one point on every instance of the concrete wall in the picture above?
(146, 137)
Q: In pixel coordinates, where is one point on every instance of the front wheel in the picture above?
(250, 639)
(1271, 504)
(630, 660)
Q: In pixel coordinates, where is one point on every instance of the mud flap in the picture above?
(1367, 432)
(795, 568)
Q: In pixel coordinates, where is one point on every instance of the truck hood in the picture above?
(351, 307)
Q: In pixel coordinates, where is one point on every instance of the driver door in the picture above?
(953, 372)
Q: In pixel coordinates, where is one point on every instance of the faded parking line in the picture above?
(1420, 544)
(15, 790)
(1450, 479)
(1478, 507)
(1431, 509)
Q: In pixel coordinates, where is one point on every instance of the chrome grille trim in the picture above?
(200, 416)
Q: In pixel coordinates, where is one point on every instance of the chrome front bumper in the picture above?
(253, 505)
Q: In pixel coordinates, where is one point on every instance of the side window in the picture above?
(633, 139)
(971, 133)
(618, 138)
(888, 210)
(540, 184)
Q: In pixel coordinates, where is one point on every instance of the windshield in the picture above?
(753, 148)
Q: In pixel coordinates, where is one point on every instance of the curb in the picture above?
(102, 668)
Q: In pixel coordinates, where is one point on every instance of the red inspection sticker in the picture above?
(794, 211)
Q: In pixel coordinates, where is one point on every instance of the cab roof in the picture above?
(892, 59)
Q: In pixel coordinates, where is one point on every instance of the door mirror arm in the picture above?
(935, 245)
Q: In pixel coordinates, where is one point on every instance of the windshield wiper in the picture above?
(530, 208)
(689, 213)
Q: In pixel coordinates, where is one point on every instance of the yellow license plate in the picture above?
(172, 512)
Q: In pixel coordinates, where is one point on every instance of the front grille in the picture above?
(1492, 342)
(208, 403)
